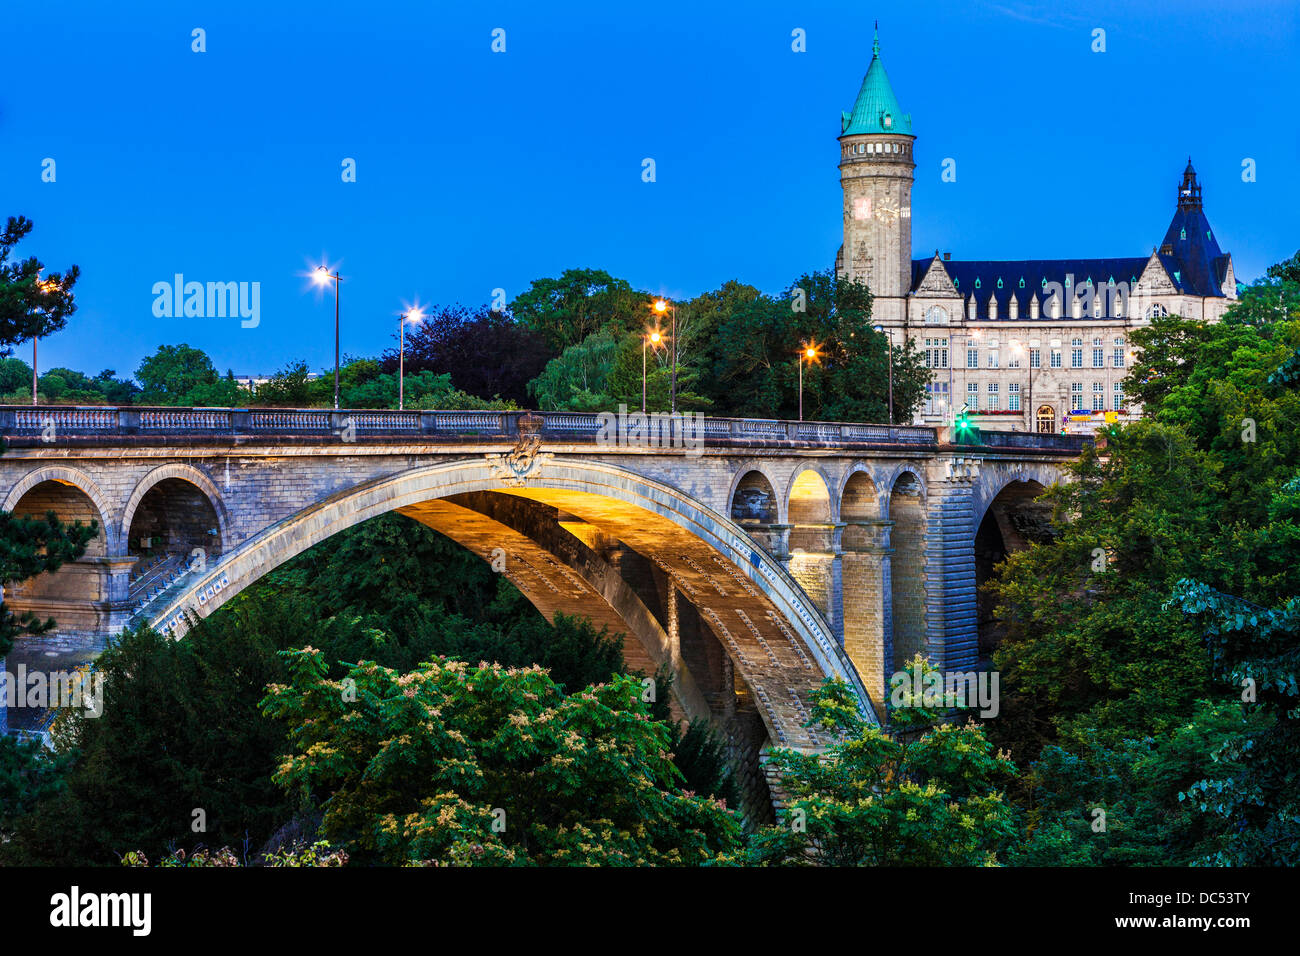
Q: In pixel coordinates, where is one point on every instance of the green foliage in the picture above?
(316, 854)
(487, 765)
(28, 547)
(1138, 785)
(876, 800)
(576, 381)
(183, 375)
(700, 753)
(1257, 650)
(750, 362)
(32, 305)
(28, 774)
(580, 303)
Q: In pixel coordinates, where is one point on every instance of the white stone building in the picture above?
(1023, 344)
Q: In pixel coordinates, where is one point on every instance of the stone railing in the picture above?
(55, 423)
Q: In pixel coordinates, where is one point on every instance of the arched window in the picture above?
(936, 315)
(1156, 311)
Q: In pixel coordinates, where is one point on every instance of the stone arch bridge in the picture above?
(753, 558)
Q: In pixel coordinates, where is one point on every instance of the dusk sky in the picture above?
(479, 170)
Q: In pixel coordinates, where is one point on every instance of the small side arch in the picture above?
(77, 479)
(183, 472)
(752, 497)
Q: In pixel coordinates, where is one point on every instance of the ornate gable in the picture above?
(936, 280)
(1155, 279)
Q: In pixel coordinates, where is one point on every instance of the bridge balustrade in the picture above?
(98, 422)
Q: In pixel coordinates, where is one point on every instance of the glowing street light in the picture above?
(654, 337)
(809, 353)
(661, 307)
(323, 277)
(47, 286)
(415, 315)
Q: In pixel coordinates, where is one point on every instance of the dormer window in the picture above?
(888, 121)
(1182, 233)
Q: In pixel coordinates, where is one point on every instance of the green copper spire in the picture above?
(876, 109)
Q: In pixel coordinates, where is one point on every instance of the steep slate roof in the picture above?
(1196, 265)
(1198, 260)
(875, 102)
(979, 277)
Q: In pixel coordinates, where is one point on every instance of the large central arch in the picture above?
(778, 643)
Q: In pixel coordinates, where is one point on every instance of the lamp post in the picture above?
(415, 315)
(809, 352)
(661, 306)
(654, 337)
(322, 277)
(890, 333)
(45, 285)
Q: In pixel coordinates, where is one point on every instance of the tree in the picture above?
(30, 306)
(876, 800)
(567, 310)
(578, 379)
(487, 354)
(29, 546)
(172, 373)
(485, 765)
(751, 364)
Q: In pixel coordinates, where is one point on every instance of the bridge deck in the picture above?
(27, 425)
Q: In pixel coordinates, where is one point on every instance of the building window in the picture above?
(1076, 396)
(993, 358)
(936, 315)
(994, 402)
(973, 395)
(1056, 358)
(1117, 356)
(1076, 353)
(972, 358)
(936, 398)
(1119, 396)
(1035, 358)
(1157, 311)
(1098, 358)
(1013, 396)
(936, 353)
(1098, 396)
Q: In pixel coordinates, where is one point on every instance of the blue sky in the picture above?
(479, 170)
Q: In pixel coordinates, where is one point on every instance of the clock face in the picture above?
(887, 210)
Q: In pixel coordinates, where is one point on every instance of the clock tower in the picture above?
(876, 173)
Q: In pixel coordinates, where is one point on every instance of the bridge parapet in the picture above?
(96, 424)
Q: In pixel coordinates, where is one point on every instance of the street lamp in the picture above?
(661, 306)
(890, 333)
(45, 285)
(654, 337)
(322, 277)
(809, 353)
(415, 315)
